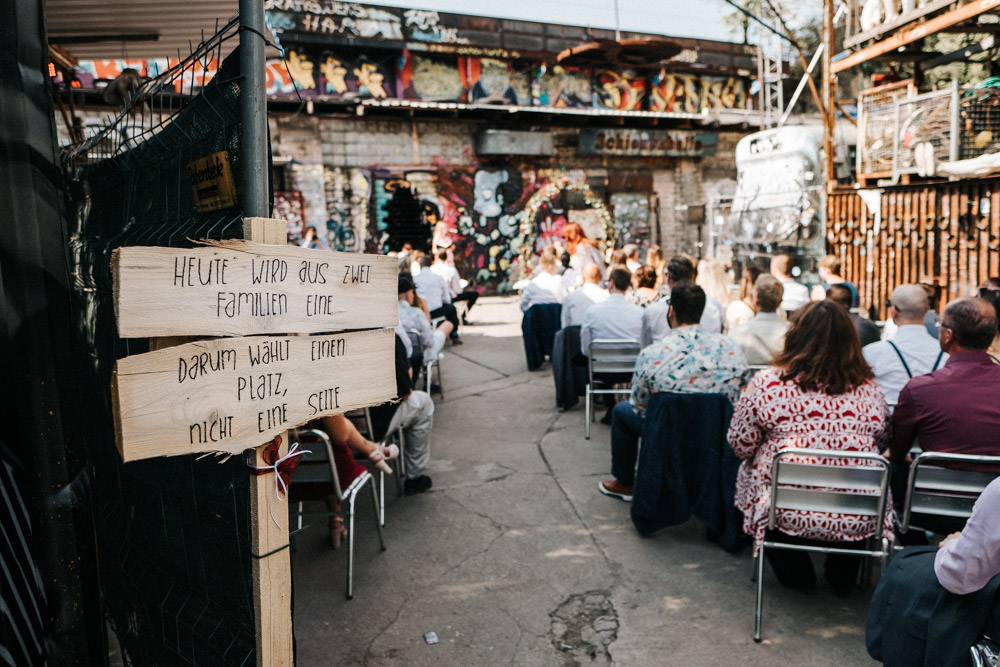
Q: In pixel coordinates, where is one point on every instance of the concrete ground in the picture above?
(515, 558)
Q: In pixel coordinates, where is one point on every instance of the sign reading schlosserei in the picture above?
(240, 288)
(667, 143)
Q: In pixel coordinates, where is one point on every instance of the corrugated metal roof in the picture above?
(134, 28)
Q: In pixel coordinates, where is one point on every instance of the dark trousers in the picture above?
(448, 312)
(626, 427)
(469, 296)
(794, 569)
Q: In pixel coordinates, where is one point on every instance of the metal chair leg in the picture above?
(350, 544)
(586, 416)
(378, 524)
(759, 597)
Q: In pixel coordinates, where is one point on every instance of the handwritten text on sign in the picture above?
(241, 288)
(235, 393)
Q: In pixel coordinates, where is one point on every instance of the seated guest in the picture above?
(413, 411)
(687, 360)
(955, 408)
(434, 291)
(632, 262)
(829, 274)
(796, 294)
(644, 290)
(867, 330)
(763, 337)
(446, 270)
(579, 300)
(911, 351)
(932, 605)
(546, 286)
(615, 319)
(680, 270)
(741, 310)
(414, 319)
(990, 290)
(819, 393)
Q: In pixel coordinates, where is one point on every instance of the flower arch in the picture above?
(536, 235)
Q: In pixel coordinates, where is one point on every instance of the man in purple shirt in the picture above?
(955, 408)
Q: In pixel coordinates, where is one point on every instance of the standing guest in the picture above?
(687, 360)
(644, 287)
(911, 352)
(819, 393)
(570, 277)
(796, 294)
(829, 274)
(582, 250)
(616, 257)
(867, 330)
(990, 290)
(741, 310)
(546, 286)
(577, 302)
(763, 337)
(434, 291)
(632, 262)
(446, 270)
(614, 319)
(712, 278)
(955, 408)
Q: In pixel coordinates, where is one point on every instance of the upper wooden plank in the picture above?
(236, 287)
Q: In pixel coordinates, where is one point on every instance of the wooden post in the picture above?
(271, 568)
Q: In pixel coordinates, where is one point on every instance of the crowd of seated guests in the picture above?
(831, 380)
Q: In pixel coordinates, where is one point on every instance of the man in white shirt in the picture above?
(451, 278)
(796, 294)
(413, 319)
(679, 270)
(434, 291)
(911, 351)
(577, 302)
(763, 337)
(546, 286)
(614, 318)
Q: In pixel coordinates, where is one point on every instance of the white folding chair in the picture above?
(318, 468)
(804, 484)
(936, 491)
(607, 356)
(429, 365)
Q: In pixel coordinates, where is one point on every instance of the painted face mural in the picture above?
(489, 200)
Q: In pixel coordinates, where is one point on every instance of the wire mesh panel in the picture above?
(926, 132)
(876, 126)
(173, 533)
(980, 120)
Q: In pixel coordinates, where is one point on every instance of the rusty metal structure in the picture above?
(902, 221)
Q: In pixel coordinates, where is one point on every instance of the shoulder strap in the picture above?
(906, 366)
(937, 361)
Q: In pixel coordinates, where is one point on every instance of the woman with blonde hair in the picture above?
(582, 250)
(655, 259)
(712, 278)
(741, 310)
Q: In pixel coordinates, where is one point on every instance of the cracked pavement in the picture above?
(514, 535)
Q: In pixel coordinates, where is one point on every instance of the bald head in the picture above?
(968, 324)
(910, 304)
(592, 274)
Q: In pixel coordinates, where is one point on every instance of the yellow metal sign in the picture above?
(212, 182)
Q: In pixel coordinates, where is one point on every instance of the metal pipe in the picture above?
(253, 112)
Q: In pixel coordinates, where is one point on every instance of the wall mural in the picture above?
(349, 74)
(347, 197)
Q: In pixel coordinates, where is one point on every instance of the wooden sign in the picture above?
(241, 288)
(235, 393)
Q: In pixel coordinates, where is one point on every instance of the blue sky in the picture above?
(678, 18)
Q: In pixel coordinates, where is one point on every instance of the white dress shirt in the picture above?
(544, 288)
(966, 564)
(655, 325)
(577, 302)
(796, 295)
(761, 338)
(449, 274)
(917, 347)
(432, 289)
(614, 318)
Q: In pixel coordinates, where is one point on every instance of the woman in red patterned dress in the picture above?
(818, 393)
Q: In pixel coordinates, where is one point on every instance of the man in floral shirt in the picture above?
(686, 360)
